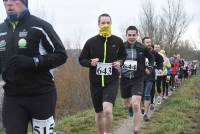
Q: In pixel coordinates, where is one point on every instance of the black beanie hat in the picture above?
(25, 2)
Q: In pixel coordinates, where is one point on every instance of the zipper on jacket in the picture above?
(131, 59)
(14, 25)
(104, 61)
(13, 46)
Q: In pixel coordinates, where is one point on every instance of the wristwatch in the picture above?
(36, 61)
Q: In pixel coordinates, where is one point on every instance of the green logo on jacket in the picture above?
(22, 43)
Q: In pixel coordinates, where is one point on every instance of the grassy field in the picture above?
(180, 114)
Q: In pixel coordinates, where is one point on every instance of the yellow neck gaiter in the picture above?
(105, 31)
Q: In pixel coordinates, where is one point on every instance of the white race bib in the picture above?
(130, 65)
(43, 126)
(146, 62)
(104, 68)
(158, 72)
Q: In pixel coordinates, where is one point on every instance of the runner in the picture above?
(166, 78)
(159, 77)
(174, 70)
(30, 48)
(157, 67)
(148, 80)
(132, 77)
(103, 54)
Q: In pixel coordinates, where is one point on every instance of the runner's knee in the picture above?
(136, 106)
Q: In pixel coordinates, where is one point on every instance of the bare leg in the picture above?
(108, 116)
(100, 122)
(136, 100)
(127, 103)
(146, 106)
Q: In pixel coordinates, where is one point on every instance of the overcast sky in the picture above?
(74, 19)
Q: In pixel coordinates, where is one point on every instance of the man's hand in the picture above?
(116, 65)
(22, 62)
(147, 71)
(94, 62)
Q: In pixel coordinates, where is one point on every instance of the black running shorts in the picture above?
(130, 87)
(18, 111)
(104, 94)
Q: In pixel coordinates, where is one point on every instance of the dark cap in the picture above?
(25, 2)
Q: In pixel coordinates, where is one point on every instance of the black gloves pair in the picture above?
(21, 62)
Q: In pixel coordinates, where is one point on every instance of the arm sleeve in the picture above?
(160, 61)
(150, 57)
(55, 54)
(122, 53)
(84, 58)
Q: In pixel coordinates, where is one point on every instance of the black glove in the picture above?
(22, 62)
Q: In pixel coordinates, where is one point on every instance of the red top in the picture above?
(174, 69)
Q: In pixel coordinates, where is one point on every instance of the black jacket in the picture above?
(137, 52)
(158, 65)
(32, 37)
(94, 48)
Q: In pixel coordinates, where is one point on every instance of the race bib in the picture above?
(104, 68)
(158, 72)
(130, 65)
(168, 78)
(146, 62)
(43, 126)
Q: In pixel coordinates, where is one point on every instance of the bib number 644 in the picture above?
(130, 65)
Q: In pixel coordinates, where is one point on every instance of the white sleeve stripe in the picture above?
(47, 37)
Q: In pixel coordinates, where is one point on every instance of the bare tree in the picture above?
(177, 21)
(148, 20)
(150, 23)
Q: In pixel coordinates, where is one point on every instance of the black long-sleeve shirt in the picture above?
(94, 48)
(158, 65)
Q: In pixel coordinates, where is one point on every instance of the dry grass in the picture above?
(72, 87)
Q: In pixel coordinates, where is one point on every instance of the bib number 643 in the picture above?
(104, 68)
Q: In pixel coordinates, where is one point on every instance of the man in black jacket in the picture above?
(132, 76)
(149, 79)
(29, 50)
(103, 54)
(158, 74)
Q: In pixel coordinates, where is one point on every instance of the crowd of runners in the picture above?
(30, 49)
(147, 74)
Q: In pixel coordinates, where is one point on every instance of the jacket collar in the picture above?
(18, 18)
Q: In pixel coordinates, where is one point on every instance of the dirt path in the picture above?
(126, 125)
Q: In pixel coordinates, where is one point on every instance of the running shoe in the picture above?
(152, 107)
(145, 117)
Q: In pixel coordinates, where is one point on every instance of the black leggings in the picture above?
(164, 84)
(172, 80)
(18, 111)
(158, 83)
(152, 92)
